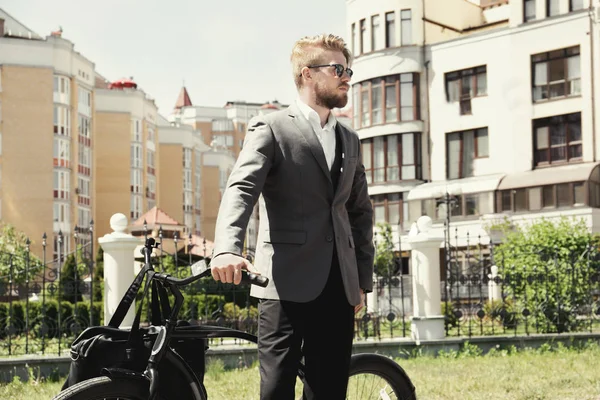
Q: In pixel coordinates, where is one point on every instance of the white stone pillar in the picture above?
(373, 299)
(428, 321)
(119, 257)
(495, 289)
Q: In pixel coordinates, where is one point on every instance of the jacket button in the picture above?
(329, 238)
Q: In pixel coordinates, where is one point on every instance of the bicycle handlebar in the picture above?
(247, 277)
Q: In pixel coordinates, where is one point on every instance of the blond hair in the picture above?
(309, 51)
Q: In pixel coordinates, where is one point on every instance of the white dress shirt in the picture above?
(326, 134)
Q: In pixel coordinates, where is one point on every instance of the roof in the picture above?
(155, 217)
(548, 176)
(436, 189)
(183, 100)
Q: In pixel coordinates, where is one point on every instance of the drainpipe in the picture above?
(426, 69)
(592, 73)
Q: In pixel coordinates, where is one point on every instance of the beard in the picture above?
(330, 98)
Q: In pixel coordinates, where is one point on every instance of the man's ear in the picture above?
(306, 73)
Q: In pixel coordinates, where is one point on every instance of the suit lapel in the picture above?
(344, 155)
(311, 139)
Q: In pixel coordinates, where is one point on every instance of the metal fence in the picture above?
(46, 302)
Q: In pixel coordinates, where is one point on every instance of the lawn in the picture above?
(546, 373)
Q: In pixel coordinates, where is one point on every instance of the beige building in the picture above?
(126, 153)
(224, 128)
(46, 136)
(180, 175)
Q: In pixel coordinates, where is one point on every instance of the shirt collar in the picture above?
(312, 116)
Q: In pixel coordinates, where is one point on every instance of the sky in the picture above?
(223, 50)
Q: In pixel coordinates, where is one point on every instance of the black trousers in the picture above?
(321, 331)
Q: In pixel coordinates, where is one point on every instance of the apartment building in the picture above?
(126, 156)
(180, 175)
(224, 129)
(46, 136)
(476, 111)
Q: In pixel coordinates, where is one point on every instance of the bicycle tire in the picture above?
(105, 387)
(386, 369)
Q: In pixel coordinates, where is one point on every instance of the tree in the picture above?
(384, 252)
(547, 270)
(15, 260)
(98, 277)
(70, 279)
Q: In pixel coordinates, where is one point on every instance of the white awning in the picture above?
(476, 184)
(548, 176)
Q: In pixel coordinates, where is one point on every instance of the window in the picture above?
(462, 149)
(541, 198)
(528, 10)
(62, 185)
(556, 74)
(466, 84)
(406, 27)
(84, 128)
(187, 179)
(85, 160)
(361, 43)
(383, 100)
(151, 189)
(390, 29)
(389, 208)
(136, 130)
(187, 156)
(150, 155)
(375, 33)
(392, 158)
(62, 85)
(468, 205)
(61, 212)
(136, 206)
(575, 5)
(84, 217)
(552, 7)
(136, 155)
(353, 39)
(557, 139)
(62, 120)
(62, 152)
(151, 134)
(84, 98)
(136, 181)
(83, 191)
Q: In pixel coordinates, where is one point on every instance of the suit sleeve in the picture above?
(360, 213)
(244, 186)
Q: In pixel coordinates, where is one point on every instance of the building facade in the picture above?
(46, 136)
(126, 153)
(507, 114)
(181, 162)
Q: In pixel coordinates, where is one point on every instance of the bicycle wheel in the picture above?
(376, 377)
(106, 388)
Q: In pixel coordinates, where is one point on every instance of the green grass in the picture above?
(546, 373)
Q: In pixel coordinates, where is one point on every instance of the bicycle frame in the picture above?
(170, 330)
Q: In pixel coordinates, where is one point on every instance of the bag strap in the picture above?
(128, 298)
(135, 326)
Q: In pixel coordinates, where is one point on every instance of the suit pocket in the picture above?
(351, 240)
(286, 237)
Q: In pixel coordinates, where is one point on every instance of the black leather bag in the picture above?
(100, 347)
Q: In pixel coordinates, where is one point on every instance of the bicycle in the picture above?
(186, 380)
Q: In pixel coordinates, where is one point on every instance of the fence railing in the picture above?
(45, 303)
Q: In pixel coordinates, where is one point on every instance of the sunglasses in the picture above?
(339, 69)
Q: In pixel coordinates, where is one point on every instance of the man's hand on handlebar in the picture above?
(227, 268)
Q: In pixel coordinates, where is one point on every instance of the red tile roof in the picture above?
(184, 99)
(155, 217)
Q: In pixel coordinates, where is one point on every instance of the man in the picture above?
(316, 228)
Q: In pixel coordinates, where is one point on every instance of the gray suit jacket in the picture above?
(282, 165)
